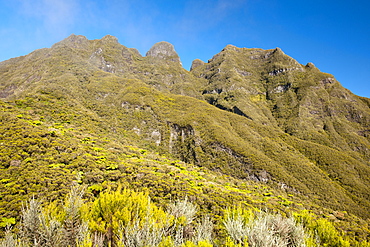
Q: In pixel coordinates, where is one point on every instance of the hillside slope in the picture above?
(252, 118)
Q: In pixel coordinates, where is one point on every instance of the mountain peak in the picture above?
(310, 65)
(196, 63)
(278, 50)
(290, 135)
(109, 38)
(72, 41)
(230, 47)
(164, 50)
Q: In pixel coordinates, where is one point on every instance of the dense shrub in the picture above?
(122, 217)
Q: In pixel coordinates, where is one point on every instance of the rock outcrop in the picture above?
(164, 50)
(247, 113)
(196, 63)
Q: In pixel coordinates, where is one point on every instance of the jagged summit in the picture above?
(72, 40)
(229, 47)
(196, 63)
(278, 49)
(110, 38)
(164, 50)
(249, 114)
(310, 65)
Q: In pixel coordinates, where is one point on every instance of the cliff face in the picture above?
(251, 114)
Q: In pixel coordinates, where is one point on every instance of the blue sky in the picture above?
(334, 35)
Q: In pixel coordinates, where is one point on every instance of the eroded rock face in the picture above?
(179, 133)
(196, 63)
(98, 59)
(164, 50)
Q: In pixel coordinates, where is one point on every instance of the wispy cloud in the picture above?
(54, 17)
(201, 16)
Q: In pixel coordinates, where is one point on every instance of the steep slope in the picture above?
(252, 116)
(273, 89)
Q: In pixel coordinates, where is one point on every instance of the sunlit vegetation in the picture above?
(142, 136)
(122, 217)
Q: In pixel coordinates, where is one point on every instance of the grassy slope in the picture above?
(329, 122)
(72, 117)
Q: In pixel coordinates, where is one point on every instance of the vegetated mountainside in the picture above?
(272, 89)
(251, 125)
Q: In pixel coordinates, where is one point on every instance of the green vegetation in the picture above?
(250, 127)
(123, 217)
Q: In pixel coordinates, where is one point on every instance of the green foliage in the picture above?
(322, 229)
(133, 220)
(43, 227)
(7, 222)
(251, 126)
(119, 208)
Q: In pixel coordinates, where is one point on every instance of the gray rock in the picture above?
(164, 50)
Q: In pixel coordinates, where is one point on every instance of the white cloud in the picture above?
(56, 17)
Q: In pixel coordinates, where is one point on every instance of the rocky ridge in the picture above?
(251, 114)
(164, 50)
